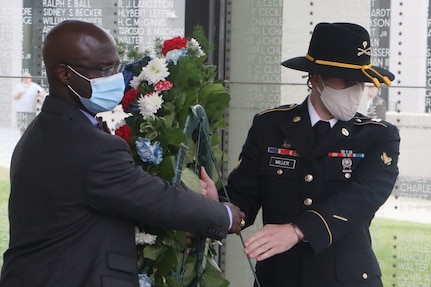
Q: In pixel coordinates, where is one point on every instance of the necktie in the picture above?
(101, 124)
(320, 129)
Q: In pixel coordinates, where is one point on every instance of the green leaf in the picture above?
(169, 119)
(167, 262)
(173, 282)
(191, 180)
(212, 278)
(165, 169)
(153, 251)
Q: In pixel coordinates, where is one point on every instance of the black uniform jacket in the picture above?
(76, 196)
(330, 190)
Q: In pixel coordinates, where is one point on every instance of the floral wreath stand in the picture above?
(175, 107)
(197, 128)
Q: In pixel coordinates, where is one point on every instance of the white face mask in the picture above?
(342, 104)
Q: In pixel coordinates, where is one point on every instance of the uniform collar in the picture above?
(314, 117)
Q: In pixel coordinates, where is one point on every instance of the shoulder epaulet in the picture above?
(279, 109)
(361, 121)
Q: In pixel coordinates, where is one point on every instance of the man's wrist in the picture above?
(229, 211)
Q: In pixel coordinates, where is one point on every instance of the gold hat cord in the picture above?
(363, 68)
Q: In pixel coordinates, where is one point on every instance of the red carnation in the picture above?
(128, 98)
(163, 86)
(124, 132)
(174, 43)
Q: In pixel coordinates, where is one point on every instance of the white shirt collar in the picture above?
(314, 117)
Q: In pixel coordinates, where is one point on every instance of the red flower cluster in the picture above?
(128, 98)
(163, 86)
(124, 132)
(174, 43)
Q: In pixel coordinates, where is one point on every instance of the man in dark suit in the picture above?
(76, 193)
(319, 191)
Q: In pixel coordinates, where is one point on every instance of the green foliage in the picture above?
(4, 222)
(170, 261)
(403, 251)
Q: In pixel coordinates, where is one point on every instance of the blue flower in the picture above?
(149, 153)
(145, 281)
(173, 55)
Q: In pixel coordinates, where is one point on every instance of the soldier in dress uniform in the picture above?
(319, 195)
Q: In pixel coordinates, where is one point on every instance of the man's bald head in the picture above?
(74, 41)
(79, 44)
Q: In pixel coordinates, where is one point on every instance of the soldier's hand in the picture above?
(208, 188)
(270, 240)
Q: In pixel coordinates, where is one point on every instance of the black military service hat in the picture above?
(341, 50)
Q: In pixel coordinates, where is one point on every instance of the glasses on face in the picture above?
(113, 69)
(106, 71)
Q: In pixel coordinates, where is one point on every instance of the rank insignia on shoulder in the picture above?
(361, 121)
(386, 159)
(279, 109)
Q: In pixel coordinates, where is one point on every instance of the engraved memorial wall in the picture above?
(132, 22)
(136, 23)
(10, 56)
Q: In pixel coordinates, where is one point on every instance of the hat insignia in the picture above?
(364, 50)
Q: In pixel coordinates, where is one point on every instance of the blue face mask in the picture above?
(106, 92)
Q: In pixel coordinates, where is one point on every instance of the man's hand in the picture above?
(208, 188)
(237, 217)
(272, 239)
(17, 96)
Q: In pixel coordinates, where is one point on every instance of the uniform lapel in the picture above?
(336, 138)
(297, 130)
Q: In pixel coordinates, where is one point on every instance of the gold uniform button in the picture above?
(296, 119)
(308, 178)
(345, 132)
(279, 171)
(308, 201)
(365, 276)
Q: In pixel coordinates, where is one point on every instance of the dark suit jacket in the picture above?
(76, 195)
(332, 196)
